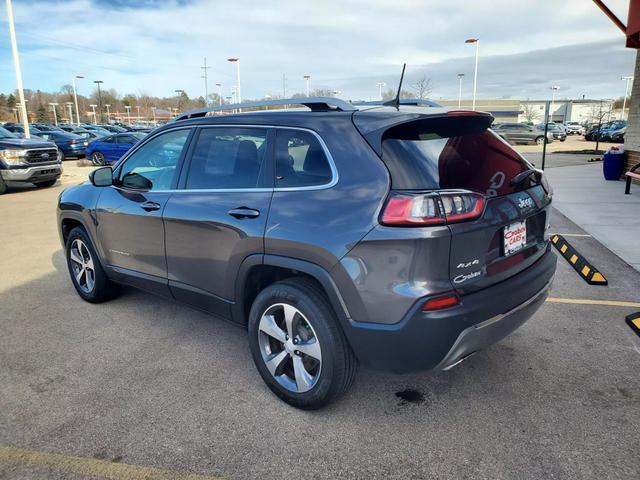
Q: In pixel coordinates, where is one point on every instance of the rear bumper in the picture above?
(29, 174)
(441, 339)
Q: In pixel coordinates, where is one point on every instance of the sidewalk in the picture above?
(600, 207)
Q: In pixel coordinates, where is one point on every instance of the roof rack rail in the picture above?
(315, 104)
(416, 102)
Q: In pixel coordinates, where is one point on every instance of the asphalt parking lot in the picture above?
(146, 388)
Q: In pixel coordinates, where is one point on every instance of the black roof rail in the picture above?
(315, 104)
(416, 102)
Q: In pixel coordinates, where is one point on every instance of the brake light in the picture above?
(437, 208)
(73, 142)
(438, 303)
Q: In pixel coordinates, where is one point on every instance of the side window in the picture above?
(227, 157)
(153, 166)
(129, 139)
(300, 160)
(46, 136)
(108, 140)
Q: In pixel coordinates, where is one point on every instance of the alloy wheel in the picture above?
(82, 266)
(290, 348)
(97, 158)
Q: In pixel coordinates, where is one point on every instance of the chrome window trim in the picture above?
(332, 165)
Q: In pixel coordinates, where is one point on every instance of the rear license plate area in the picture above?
(514, 237)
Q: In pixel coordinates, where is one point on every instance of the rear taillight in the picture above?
(436, 208)
(438, 303)
(73, 142)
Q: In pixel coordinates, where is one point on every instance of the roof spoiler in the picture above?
(315, 104)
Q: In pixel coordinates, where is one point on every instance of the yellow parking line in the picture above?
(90, 466)
(586, 301)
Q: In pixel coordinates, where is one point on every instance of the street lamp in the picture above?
(626, 94)
(460, 77)
(219, 85)
(554, 89)
(18, 71)
(475, 70)
(108, 114)
(128, 108)
(75, 97)
(98, 82)
(70, 107)
(307, 78)
(55, 117)
(380, 85)
(237, 62)
(93, 108)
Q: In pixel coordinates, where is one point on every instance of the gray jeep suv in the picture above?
(400, 238)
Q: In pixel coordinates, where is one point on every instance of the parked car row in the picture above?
(607, 132)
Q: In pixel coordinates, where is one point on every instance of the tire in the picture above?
(300, 378)
(563, 139)
(101, 288)
(97, 159)
(60, 156)
(3, 186)
(46, 183)
(539, 140)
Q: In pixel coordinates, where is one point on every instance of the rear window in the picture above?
(450, 153)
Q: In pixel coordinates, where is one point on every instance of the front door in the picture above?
(217, 218)
(129, 213)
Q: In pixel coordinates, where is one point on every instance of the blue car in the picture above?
(69, 144)
(108, 150)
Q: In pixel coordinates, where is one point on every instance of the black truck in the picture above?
(30, 160)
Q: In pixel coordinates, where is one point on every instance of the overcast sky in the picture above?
(157, 46)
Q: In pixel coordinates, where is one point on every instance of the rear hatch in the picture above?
(453, 169)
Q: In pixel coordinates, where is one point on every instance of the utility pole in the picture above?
(16, 65)
(206, 83)
(75, 97)
(179, 92)
(626, 94)
(98, 82)
(55, 117)
(475, 70)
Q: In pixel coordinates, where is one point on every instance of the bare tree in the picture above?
(422, 87)
(391, 94)
(530, 111)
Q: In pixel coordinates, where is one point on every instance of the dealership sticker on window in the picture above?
(515, 237)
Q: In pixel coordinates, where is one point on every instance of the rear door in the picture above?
(452, 154)
(217, 217)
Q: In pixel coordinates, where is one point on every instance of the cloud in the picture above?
(158, 46)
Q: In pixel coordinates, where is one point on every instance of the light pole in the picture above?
(380, 85)
(307, 78)
(475, 70)
(219, 85)
(237, 62)
(98, 82)
(55, 117)
(75, 97)
(70, 107)
(179, 92)
(93, 111)
(206, 83)
(629, 79)
(16, 65)
(554, 89)
(108, 113)
(128, 108)
(460, 77)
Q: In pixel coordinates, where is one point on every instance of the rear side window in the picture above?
(300, 160)
(227, 158)
(450, 153)
(108, 140)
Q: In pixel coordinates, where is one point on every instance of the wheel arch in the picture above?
(259, 271)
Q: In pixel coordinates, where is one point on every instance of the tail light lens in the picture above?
(73, 142)
(437, 208)
(438, 303)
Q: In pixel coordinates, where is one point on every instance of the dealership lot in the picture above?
(145, 382)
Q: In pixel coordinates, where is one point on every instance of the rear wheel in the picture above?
(298, 346)
(539, 140)
(46, 183)
(97, 158)
(87, 274)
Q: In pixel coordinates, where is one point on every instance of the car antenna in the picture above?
(395, 102)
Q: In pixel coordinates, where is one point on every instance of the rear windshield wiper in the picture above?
(522, 176)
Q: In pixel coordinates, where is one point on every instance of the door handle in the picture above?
(243, 212)
(150, 206)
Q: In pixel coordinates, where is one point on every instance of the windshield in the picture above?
(451, 153)
(4, 133)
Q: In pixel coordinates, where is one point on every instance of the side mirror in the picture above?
(102, 177)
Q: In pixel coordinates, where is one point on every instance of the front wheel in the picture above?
(539, 140)
(298, 346)
(60, 156)
(97, 159)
